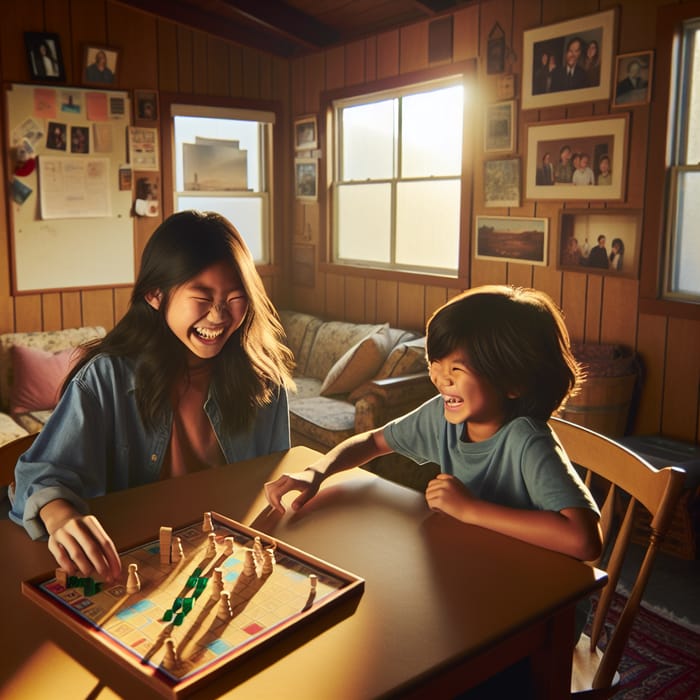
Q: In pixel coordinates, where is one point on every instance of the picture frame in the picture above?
(499, 127)
(602, 139)
(502, 182)
(100, 65)
(306, 179)
(44, 56)
(512, 239)
(496, 50)
(633, 78)
(145, 106)
(545, 53)
(143, 148)
(578, 244)
(306, 133)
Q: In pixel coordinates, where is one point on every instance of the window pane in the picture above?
(431, 133)
(368, 141)
(693, 117)
(217, 154)
(245, 213)
(364, 222)
(686, 254)
(427, 224)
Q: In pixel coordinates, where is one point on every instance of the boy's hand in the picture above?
(79, 543)
(447, 494)
(307, 482)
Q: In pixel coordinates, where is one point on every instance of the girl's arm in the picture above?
(352, 452)
(78, 542)
(572, 531)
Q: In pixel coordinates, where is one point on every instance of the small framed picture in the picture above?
(502, 182)
(44, 56)
(306, 178)
(499, 129)
(100, 64)
(305, 133)
(145, 106)
(512, 239)
(604, 241)
(633, 73)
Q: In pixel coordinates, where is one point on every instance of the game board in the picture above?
(195, 600)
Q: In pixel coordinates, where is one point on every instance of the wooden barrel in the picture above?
(604, 401)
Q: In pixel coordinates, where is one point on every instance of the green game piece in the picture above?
(167, 616)
(197, 572)
(177, 604)
(192, 581)
(179, 618)
(187, 605)
(90, 586)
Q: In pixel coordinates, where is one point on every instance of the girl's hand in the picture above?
(447, 494)
(307, 482)
(79, 543)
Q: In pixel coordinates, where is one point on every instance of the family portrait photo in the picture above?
(569, 62)
(605, 242)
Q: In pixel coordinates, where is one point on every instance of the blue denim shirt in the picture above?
(95, 442)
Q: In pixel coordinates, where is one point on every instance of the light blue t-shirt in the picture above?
(522, 466)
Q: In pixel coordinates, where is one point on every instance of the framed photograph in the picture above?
(502, 182)
(577, 159)
(604, 241)
(44, 56)
(306, 178)
(633, 73)
(145, 106)
(569, 62)
(100, 65)
(496, 50)
(306, 133)
(143, 148)
(512, 239)
(499, 127)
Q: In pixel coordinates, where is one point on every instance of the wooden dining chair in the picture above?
(9, 454)
(620, 481)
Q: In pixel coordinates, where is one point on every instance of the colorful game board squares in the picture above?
(253, 628)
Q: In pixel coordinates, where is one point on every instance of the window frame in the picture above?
(464, 70)
(661, 159)
(274, 165)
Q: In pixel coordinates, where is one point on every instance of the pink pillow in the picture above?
(38, 377)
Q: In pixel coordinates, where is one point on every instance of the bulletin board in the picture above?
(71, 225)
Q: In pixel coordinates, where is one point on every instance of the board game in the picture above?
(194, 601)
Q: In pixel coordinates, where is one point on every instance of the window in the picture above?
(397, 182)
(222, 163)
(683, 240)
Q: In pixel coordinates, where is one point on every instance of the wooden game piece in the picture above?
(211, 547)
(177, 552)
(166, 536)
(207, 525)
(268, 560)
(224, 612)
(313, 582)
(171, 659)
(249, 563)
(217, 584)
(228, 546)
(133, 581)
(62, 577)
(257, 548)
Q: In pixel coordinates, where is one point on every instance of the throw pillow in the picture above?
(38, 377)
(360, 363)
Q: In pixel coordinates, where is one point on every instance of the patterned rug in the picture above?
(662, 658)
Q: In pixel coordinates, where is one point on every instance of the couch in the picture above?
(353, 377)
(32, 368)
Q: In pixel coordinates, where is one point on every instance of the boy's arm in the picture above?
(352, 452)
(572, 531)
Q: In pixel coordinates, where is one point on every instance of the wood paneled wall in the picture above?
(176, 59)
(598, 308)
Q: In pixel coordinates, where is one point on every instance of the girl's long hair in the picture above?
(255, 362)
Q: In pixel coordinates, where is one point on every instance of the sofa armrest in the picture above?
(383, 400)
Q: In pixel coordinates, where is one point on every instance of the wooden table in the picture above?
(445, 605)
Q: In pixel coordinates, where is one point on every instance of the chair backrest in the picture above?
(9, 454)
(620, 481)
